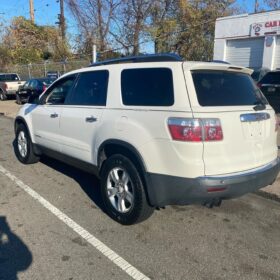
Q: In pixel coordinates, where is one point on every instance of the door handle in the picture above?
(54, 115)
(91, 119)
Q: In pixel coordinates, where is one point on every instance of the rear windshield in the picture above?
(223, 88)
(271, 78)
(9, 77)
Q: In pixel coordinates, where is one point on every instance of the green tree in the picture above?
(26, 42)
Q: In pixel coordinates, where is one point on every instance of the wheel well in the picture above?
(128, 151)
(18, 122)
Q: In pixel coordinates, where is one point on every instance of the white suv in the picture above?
(157, 130)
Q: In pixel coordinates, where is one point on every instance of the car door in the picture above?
(82, 113)
(46, 116)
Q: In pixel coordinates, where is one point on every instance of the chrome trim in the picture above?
(254, 117)
(253, 171)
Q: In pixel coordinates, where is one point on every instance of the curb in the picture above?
(268, 195)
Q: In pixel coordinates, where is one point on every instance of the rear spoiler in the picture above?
(215, 66)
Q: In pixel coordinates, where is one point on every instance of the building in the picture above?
(250, 40)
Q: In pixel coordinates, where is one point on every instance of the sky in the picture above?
(46, 12)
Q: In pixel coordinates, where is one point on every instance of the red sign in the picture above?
(265, 28)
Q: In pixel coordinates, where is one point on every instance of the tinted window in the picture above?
(271, 78)
(11, 77)
(147, 87)
(91, 89)
(58, 92)
(217, 88)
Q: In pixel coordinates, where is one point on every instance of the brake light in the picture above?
(44, 87)
(195, 130)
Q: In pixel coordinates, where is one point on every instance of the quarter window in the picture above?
(147, 87)
(91, 89)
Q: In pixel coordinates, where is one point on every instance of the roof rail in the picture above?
(140, 58)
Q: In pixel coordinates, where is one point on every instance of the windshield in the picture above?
(271, 78)
(223, 88)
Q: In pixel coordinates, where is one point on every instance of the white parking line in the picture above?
(100, 246)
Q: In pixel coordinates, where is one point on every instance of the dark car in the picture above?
(259, 73)
(32, 87)
(270, 86)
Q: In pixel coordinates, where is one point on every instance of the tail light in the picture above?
(44, 87)
(195, 130)
(5, 86)
(259, 85)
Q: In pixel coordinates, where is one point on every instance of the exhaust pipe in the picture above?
(213, 203)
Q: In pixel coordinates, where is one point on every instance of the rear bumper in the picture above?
(10, 92)
(170, 190)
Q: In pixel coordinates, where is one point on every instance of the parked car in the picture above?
(259, 73)
(53, 74)
(32, 87)
(157, 130)
(9, 84)
(270, 86)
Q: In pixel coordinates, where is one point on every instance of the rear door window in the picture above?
(91, 89)
(147, 87)
(271, 78)
(223, 88)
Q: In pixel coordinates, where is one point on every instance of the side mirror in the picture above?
(33, 99)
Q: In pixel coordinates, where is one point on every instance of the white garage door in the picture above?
(276, 63)
(245, 52)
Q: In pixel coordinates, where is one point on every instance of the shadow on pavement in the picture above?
(14, 254)
(88, 182)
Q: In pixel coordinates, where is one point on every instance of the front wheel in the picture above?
(2, 96)
(123, 191)
(24, 146)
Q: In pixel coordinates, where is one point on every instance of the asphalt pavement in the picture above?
(52, 222)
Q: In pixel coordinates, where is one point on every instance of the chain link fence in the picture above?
(37, 70)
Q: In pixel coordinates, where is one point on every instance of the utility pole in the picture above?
(62, 20)
(31, 8)
(256, 6)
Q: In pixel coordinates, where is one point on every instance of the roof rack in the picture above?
(140, 58)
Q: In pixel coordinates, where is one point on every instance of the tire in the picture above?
(18, 101)
(24, 146)
(123, 192)
(2, 96)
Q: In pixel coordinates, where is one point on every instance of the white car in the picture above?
(157, 130)
(9, 85)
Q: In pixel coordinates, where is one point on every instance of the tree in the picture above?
(26, 42)
(273, 4)
(196, 26)
(94, 18)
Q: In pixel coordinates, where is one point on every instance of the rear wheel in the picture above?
(123, 192)
(24, 146)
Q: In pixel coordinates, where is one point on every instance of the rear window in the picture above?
(221, 88)
(271, 78)
(147, 87)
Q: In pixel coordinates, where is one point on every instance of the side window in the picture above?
(147, 87)
(91, 89)
(26, 85)
(33, 84)
(58, 92)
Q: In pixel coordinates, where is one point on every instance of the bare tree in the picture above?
(94, 18)
(274, 4)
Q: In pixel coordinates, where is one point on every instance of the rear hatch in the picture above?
(226, 96)
(270, 86)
